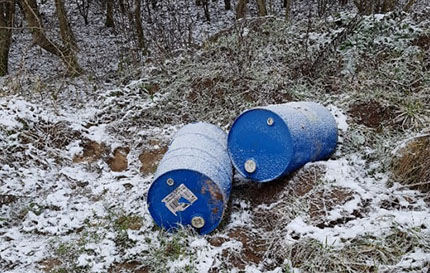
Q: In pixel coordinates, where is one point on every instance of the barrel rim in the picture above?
(214, 226)
(238, 168)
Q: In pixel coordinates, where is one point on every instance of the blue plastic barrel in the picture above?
(266, 143)
(193, 180)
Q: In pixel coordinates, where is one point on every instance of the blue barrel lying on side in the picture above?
(266, 143)
(193, 180)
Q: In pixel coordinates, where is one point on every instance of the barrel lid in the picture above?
(260, 145)
(185, 197)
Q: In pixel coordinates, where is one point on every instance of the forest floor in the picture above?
(78, 154)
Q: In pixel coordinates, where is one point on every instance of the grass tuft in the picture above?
(412, 166)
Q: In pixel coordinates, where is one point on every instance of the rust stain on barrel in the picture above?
(213, 190)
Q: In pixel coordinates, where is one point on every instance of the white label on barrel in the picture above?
(179, 199)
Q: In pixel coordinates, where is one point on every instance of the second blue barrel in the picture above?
(266, 143)
(192, 183)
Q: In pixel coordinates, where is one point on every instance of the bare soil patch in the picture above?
(92, 152)
(252, 252)
(372, 114)
(119, 162)
(321, 202)
(261, 193)
(305, 179)
(150, 158)
(297, 183)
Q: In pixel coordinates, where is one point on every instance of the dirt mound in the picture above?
(372, 114)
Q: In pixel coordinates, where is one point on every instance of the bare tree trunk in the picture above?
(262, 11)
(109, 14)
(84, 8)
(227, 4)
(206, 9)
(7, 14)
(240, 9)
(65, 30)
(122, 6)
(32, 17)
(138, 24)
(322, 7)
(148, 10)
(287, 6)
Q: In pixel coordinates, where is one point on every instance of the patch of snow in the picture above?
(340, 117)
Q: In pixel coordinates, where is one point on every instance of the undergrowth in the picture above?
(363, 254)
(374, 68)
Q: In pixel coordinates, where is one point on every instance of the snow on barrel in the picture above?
(193, 180)
(266, 143)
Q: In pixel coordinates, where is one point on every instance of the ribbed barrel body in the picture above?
(266, 143)
(193, 180)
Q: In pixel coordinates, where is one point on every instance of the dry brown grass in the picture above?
(362, 254)
(411, 166)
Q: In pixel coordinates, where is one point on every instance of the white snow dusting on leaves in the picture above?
(86, 217)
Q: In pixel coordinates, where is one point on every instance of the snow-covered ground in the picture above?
(65, 207)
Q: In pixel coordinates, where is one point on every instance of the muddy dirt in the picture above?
(325, 200)
(297, 183)
(372, 114)
(119, 162)
(260, 193)
(150, 158)
(252, 252)
(305, 179)
(92, 151)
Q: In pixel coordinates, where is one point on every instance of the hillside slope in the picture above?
(74, 176)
